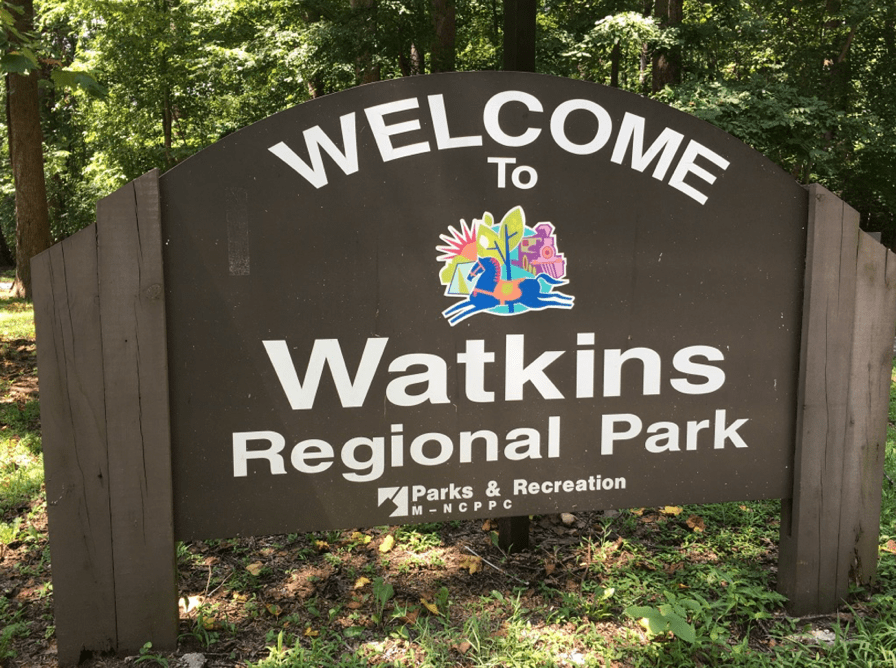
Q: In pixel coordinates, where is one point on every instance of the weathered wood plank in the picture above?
(513, 533)
(72, 407)
(137, 420)
(808, 569)
(872, 361)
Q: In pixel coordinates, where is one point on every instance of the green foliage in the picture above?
(147, 84)
(16, 47)
(146, 656)
(382, 594)
(669, 617)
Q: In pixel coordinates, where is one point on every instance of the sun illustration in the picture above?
(460, 243)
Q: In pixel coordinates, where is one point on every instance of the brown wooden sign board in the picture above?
(456, 296)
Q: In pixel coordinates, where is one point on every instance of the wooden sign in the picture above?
(454, 296)
(482, 293)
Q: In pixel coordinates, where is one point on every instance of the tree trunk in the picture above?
(27, 160)
(412, 64)
(615, 56)
(444, 20)
(167, 124)
(667, 64)
(366, 69)
(6, 257)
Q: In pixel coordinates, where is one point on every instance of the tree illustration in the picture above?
(501, 243)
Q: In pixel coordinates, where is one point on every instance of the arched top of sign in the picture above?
(343, 134)
(419, 283)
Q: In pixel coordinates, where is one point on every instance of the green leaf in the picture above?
(512, 226)
(74, 79)
(17, 63)
(681, 628)
(354, 631)
(488, 242)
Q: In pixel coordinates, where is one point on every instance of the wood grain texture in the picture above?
(872, 361)
(135, 372)
(72, 406)
(809, 572)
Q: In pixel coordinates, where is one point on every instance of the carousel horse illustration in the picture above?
(491, 291)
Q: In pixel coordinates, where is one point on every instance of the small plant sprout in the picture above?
(382, 594)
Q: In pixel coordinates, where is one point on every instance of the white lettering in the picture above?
(683, 362)
(613, 361)
(313, 448)
(723, 433)
(241, 453)
(687, 166)
(517, 374)
(444, 140)
(609, 435)
(383, 133)
(558, 126)
(435, 377)
(632, 132)
(301, 394)
(474, 358)
(493, 124)
(315, 140)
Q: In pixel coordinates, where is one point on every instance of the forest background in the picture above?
(122, 86)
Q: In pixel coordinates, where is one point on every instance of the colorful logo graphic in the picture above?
(503, 269)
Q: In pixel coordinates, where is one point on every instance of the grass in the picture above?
(659, 587)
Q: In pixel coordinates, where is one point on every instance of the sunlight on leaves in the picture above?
(362, 538)
(189, 603)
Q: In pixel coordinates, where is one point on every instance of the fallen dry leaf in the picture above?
(255, 567)
(696, 523)
(387, 544)
(311, 633)
(363, 538)
(410, 616)
(637, 511)
(471, 563)
(432, 607)
(273, 608)
(890, 546)
(354, 605)
(672, 510)
(321, 545)
(360, 582)
(488, 525)
(463, 647)
(549, 567)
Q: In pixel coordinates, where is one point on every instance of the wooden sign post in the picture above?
(829, 528)
(580, 299)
